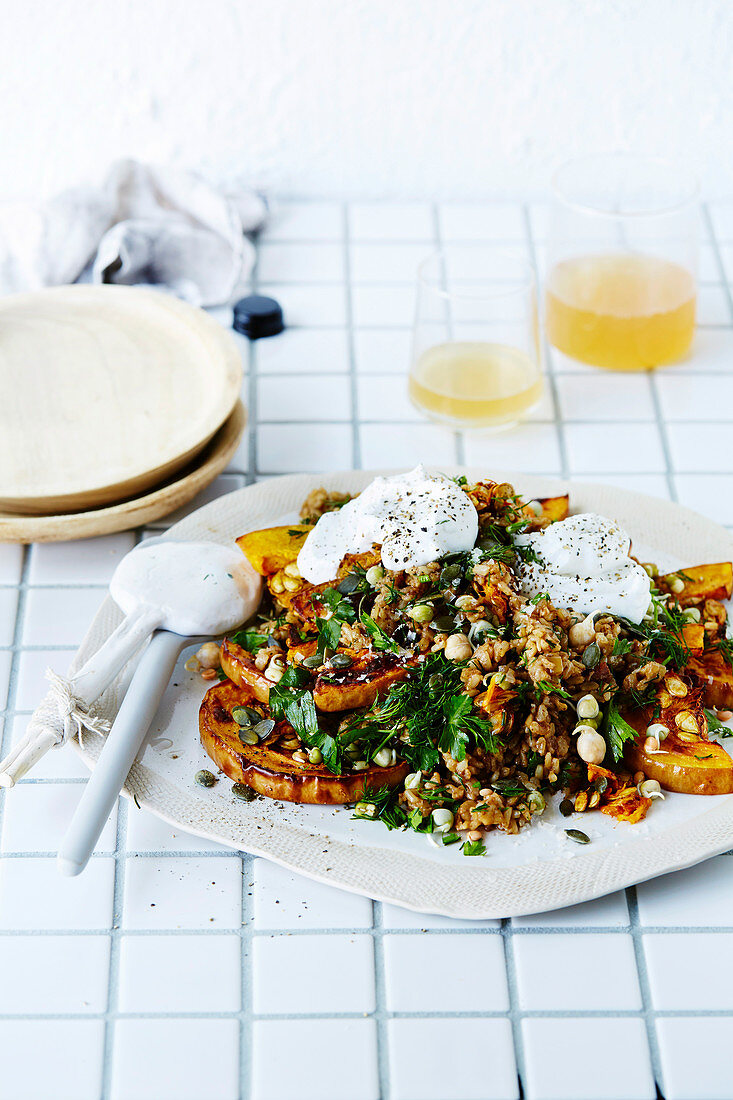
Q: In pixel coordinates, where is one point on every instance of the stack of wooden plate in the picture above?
(117, 405)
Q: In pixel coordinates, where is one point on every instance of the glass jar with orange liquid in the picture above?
(476, 350)
(622, 262)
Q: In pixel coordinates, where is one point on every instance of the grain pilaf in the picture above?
(494, 702)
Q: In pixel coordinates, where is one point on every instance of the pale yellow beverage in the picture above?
(474, 384)
(624, 312)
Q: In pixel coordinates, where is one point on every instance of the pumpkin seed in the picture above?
(264, 728)
(566, 807)
(205, 778)
(450, 574)
(248, 737)
(349, 584)
(421, 612)
(444, 624)
(578, 836)
(340, 660)
(245, 716)
(241, 790)
(591, 655)
(435, 682)
(315, 661)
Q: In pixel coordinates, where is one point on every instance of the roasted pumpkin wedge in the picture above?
(304, 603)
(238, 664)
(555, 508)
(704, 768)
(687, 762)
(272, 548)
(715, 674)
(369, 676)
(693, 635)
(270, 770)
(703, 582)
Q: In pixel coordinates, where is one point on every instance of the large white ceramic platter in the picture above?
(537, 870)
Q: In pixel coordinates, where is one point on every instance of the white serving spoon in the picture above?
(183, 590)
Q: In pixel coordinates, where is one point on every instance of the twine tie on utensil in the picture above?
(60, 715)
(73, 711)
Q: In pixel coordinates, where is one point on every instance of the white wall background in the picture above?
(468, 98)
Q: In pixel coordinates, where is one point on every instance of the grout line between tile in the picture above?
(349, 307)
(644, 987)
(514, 1015)
(380, 1012)
(246, 1039)
(550, 381)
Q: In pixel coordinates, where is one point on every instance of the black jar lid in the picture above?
(257, 316)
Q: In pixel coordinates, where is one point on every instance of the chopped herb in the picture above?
(380, 640)
(251, 640)
(725, 648)
(474, 848)
(329, 634)
(544, 687)
(716, 726)
(451, 838)
(460, 725)
(616, 731)
(509, 788)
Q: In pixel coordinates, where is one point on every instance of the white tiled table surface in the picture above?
(177, 970)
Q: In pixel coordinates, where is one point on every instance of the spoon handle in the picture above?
(96, 674)
(47, 728)
(119, 751)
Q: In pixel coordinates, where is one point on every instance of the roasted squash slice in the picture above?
(304, 603)
(703, 582)
(369, 676)
(238, 664)
(693, 635)
(687, 763)
(716, 676)
(272, 548)
(555, 508)
(269, 769)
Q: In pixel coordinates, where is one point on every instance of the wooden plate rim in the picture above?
(139, 510)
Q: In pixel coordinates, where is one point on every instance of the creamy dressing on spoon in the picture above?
(198, 588)
(585, 566)
(416, 517)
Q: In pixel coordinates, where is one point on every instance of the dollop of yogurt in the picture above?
(416, 517)
(585, 566)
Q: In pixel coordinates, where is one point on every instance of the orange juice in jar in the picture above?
(621, 291)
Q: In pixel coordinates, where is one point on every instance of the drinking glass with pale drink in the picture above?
(620, 294)
(623, 242)
(476, 351)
